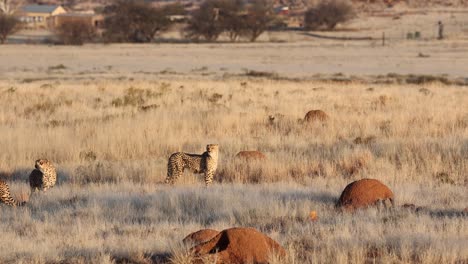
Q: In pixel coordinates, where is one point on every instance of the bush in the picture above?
(230, 19)
(206, 22)
(233, 17)
(75, 32)
(174, 9)
(259, 18)
(134, 21)
(8, 25)
(328, 14)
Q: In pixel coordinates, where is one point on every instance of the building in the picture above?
(40, 16)
(88, 18)
(282, 10)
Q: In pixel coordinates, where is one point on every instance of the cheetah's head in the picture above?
(43, 164)
(212, 149)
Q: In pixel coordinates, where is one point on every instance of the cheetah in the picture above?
(5, 196)
(205, 163)
(43, 177)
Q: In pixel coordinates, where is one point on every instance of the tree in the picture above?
(327, 14)
(233, 17)
(8, 7)
(206, 22)
(259, 17)
(75, 32)
(8, 25)
(134, 21)
(174, 9)
(230, 16)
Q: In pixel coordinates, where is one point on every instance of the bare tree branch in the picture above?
(9, 7)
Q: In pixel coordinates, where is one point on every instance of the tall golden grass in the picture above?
(112, 131)
(110, 141)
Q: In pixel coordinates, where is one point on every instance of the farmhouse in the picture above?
(39, 16)
(88, 18)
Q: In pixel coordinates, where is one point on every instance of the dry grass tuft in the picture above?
(251, 155)
(364, 140)
(355, 162)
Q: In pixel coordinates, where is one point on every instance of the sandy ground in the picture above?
(289, 54)
(300, 59)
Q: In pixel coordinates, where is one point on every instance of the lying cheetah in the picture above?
(43, 177)
(204, 163)
(5, 196)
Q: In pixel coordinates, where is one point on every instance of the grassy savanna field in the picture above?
(110, 140)
(109, 117)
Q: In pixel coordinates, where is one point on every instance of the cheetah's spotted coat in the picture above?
(205, 163)
(44, 176)
(5, 196)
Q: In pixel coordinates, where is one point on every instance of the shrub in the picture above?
(259, 18)
(54, 68)
(46, 107)
(134, 21)
(231, 20)
(10, 7)
(134, 97)
(326, 15)
(232, 17)
(206, 22)
(8, 25)
(75, 32)
(174, 9)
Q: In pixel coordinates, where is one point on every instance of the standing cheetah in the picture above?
(43, 177)
(204, 163)
(5, 196)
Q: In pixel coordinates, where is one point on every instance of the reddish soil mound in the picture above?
(251, 155)
(364, 193)
(200, 236)
(240, 245)
(315, 115)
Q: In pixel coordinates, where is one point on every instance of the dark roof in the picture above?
(39, 8)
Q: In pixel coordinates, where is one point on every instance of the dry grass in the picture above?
(110, 141)
(89, 131)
